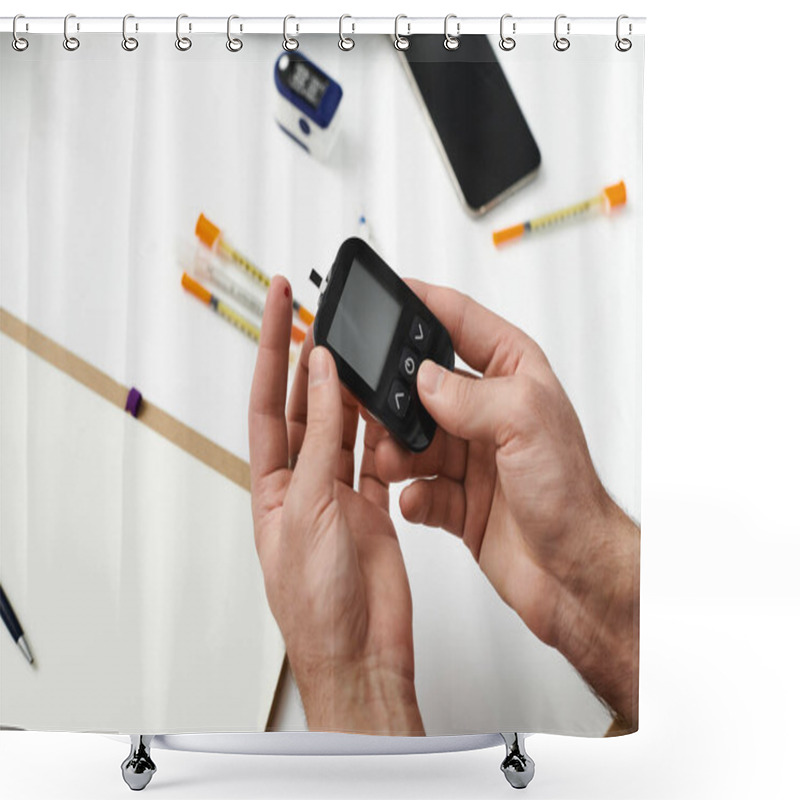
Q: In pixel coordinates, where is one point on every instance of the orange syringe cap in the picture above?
(305, 315)
(197, 289)
(615, 195)
(508, 234)
(207, 232)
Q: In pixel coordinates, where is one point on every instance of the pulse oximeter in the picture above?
(308, 100)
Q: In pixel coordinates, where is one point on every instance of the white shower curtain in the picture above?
(127, 541)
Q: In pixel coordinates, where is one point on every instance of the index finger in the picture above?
(269, 446)
(479, 336)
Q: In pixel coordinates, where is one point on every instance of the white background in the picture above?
(721, 538)
(184, 132)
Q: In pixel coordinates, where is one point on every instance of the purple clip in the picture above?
(134, 402)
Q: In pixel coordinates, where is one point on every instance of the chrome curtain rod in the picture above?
(333, 25)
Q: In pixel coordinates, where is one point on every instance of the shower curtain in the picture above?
(202, 533)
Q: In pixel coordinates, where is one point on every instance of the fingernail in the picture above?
(430, 377)
(318, 367)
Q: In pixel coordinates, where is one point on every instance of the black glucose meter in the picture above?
(379, 332)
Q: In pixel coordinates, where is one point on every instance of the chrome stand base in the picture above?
(138, 768)
(517, 766)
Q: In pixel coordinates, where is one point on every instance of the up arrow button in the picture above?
(419, 334)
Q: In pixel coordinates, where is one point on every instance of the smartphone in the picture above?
(379, 332)
(486, 143)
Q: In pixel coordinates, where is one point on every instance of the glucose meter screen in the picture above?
(364, 323)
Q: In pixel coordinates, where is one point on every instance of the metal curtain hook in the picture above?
(71, 43)
(289, 42)
(18, 43)
(561, 43)
(129, 43)
(401, 42)
(233, 44)
(183, 43)
(623, 45)
(507, 42)
(345, 42)
(451, 42)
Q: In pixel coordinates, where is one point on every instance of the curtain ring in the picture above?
(561, 43)
(623, 45)
(289, 42)
(183, 43)
(345, 42)
(18, 43)
(451, 42)
(507, 42)
(70, 43)
(233, 44)
(129, 43)
(401, 42)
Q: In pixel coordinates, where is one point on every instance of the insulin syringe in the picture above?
(206, 267)
(211, 236)
(609, 198)
(228, 313)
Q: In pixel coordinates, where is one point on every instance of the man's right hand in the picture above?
(509, 472)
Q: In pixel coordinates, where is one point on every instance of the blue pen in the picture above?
(12, 623)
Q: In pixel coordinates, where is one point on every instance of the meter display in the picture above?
(379, 332)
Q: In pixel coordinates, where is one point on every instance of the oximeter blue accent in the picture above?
(302, 92)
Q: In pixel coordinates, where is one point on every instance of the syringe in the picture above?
(211, 236)
(224, 310)
(609, 198)
(207, 267)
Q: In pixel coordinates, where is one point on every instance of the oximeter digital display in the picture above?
(305, 80)
(379, 332)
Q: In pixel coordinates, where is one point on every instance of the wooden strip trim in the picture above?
(187, 439)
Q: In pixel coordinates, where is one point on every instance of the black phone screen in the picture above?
(476, 116)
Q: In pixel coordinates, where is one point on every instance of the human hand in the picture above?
(334, 574)
(509, 472)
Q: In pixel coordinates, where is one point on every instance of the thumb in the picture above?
(470, 408)
(315, 473)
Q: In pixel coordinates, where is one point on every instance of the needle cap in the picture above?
(615, 195)
(207, 232)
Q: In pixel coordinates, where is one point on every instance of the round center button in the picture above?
(409, 362)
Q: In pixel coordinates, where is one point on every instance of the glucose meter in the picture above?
(308, 100)
(379, 332)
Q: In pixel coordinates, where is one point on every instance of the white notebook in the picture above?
(131, 566)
